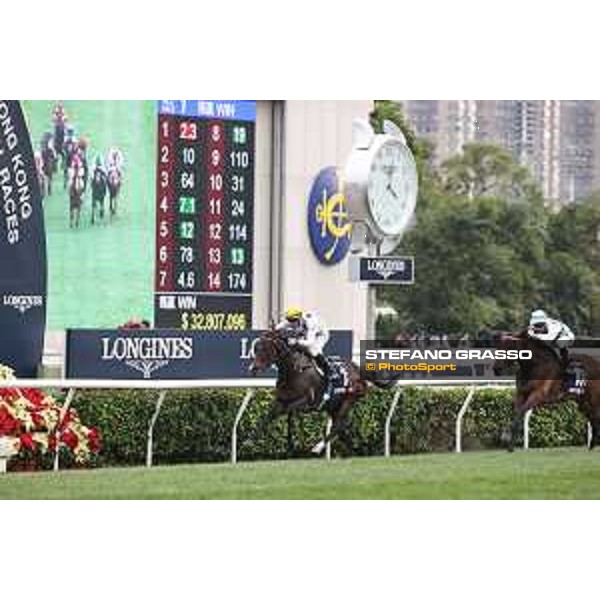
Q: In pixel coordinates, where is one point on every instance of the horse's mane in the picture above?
(523, 336)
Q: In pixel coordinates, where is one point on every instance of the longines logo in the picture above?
(385, 267)
(147, 354)
(22, 303)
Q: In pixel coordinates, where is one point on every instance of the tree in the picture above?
(477, 263)
(572, 274)
(486, 170)
(575, 229)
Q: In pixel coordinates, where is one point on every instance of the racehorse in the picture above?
(39, 169)
(114, 186)
(299, 385)
(99, 188)
(59, 118)
(69, 148)
(49, 163)
(540, 381)
(76, 189)
(59, 139)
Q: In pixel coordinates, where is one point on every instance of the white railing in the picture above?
(162, 386)
(472, 386)
(251, 385)
(526, 420)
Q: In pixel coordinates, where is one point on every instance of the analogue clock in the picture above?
(392, 187)
(381, 182)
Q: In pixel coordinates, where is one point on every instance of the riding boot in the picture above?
(564, 355)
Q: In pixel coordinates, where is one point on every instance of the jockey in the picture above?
(70, 134)
(99, 164)
(308, 331)
(553, 332)
(69, 144)
(39, 163)
(47, 141)
(115, 160)
(58, 114)
(82, 146)
(77, 167)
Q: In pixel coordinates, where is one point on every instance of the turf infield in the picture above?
(100, 276)
(571, 473)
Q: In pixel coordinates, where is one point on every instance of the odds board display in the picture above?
(205, 214)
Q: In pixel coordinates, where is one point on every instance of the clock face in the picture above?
(392, 187)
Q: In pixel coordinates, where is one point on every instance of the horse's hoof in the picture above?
(318, 447)
(505, 438)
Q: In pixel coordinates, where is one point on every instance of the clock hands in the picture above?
(391, 189)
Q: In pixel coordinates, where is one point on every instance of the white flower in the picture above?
(6, 374)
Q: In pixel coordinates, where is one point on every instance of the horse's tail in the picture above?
(385, 384)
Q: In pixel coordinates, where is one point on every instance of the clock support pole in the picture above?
(373, 250)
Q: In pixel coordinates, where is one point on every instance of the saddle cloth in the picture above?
(576, 379)
(340, 378)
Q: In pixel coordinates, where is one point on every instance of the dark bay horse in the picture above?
(49, 164)
(59, 138)
(540, 382)
(114, 187)
(99, 188)
(76, 189)
(69, 148)
(299, 385)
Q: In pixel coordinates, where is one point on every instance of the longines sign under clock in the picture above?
(383, 269)
(170, 354)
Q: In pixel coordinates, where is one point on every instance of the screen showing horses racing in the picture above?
(213, 281)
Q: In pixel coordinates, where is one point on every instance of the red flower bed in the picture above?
(32, 420)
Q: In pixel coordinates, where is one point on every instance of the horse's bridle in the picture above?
(281, 347)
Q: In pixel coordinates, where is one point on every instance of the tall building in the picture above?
(578, 149)
(558, 140)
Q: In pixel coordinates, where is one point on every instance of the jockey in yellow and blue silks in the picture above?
(308, 331)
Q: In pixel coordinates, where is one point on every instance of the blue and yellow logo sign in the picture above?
(329, 224)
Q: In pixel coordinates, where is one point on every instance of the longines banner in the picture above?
(170, 354)
(22, 247)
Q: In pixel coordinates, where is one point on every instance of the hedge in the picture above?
(195, 425)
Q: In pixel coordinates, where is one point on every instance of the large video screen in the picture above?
(149, 210)
(100, 250)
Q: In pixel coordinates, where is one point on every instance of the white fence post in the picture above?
(590, 433)
(149, 449)
(387, 451)
(526, 420)
(61, 418)
(460, 416)
(238, 417)
(328, 445)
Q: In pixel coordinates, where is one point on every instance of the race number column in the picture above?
(205, 214)
(165, 199)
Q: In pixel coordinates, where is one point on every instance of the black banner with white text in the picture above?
(171, 353)
(22, 247)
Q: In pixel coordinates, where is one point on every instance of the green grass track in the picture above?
(572, 473)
